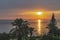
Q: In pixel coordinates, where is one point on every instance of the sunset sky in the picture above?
(11, 9)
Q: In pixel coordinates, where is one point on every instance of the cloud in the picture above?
(13, 8)
(26, 4)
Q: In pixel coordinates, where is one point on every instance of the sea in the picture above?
(6, 26)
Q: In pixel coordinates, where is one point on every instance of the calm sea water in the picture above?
(5, 25)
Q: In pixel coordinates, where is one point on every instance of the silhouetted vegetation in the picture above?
(4, 36)
(54, 32)
(21, 30)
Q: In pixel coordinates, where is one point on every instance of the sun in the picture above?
(38, 13)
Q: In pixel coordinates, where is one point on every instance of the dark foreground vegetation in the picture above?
(22, 31)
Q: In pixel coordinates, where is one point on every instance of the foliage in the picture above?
(22, 30)
(4, 36)
(53, 33)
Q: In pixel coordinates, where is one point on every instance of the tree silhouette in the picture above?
(31, 30)
(17, 31)
(52, 26)
(53, 33)
(4, 36)
(21, 30)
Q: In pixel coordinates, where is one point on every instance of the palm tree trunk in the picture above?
(19, 37)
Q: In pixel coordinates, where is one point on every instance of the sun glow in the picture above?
(39, 13)
(39, 26)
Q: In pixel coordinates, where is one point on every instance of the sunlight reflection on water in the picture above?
(39, 27)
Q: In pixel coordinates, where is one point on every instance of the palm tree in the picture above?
(17, 23)
(21, 30)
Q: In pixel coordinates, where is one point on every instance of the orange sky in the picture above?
(31, 14)
(12, 9)
(28, 14)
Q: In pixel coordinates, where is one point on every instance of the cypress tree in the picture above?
(52, 26)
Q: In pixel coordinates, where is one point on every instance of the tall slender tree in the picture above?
(52, 26)
(53, 30)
